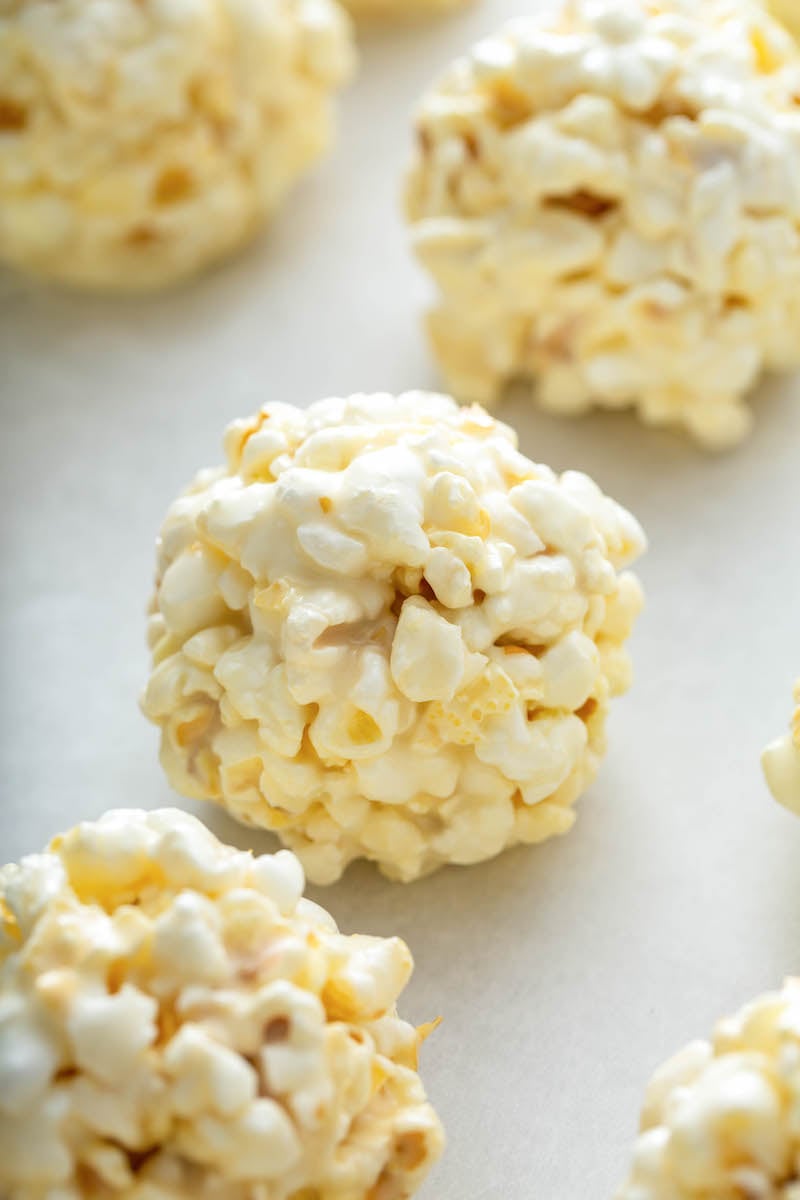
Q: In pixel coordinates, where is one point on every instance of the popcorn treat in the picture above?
(141, 140)
(720, 1118)
(781, 762)
(607, 195)
(383, 633)
(176, 1021)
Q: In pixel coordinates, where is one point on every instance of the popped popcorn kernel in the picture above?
(421, 644)
(176, 1020)
(720, 1118)
(607, 199)
(781, 762)
(787, 12)
(141, 140)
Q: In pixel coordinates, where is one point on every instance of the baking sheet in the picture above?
(564, 972)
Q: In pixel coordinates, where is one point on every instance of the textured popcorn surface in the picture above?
(720, 1118)
(787, 11)
(383, 632)
(143, 139)
(607, 197)
(781, 762)
(177, 1021)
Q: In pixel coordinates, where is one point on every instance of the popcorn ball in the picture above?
(177, 1021)
(141, 140)
(781, 762)
(382, 632)
(607, 196)
(720, 1118)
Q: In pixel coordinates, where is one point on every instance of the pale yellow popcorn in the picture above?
(177, 1022)
(720, 1118)
(606, 194)
(382, 632)
(781, 762)
(141, 140)
(369, 10)
(788, 12)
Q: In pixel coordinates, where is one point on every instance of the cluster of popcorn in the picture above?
(381, 631)
(781, 762)
(143, 139)
(607, 196)
(720, 1118)
(177, 1021)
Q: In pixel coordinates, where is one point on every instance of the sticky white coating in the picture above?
(720, 1118)
(141, 140)
(607, 196)
(177, 1022)
(382, 632)
(781, 762)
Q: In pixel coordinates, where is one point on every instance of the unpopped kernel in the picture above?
(177, 1021)
(720, 1118)
(781, 762)
(606, 194)
(383, 632)
(143, 139)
